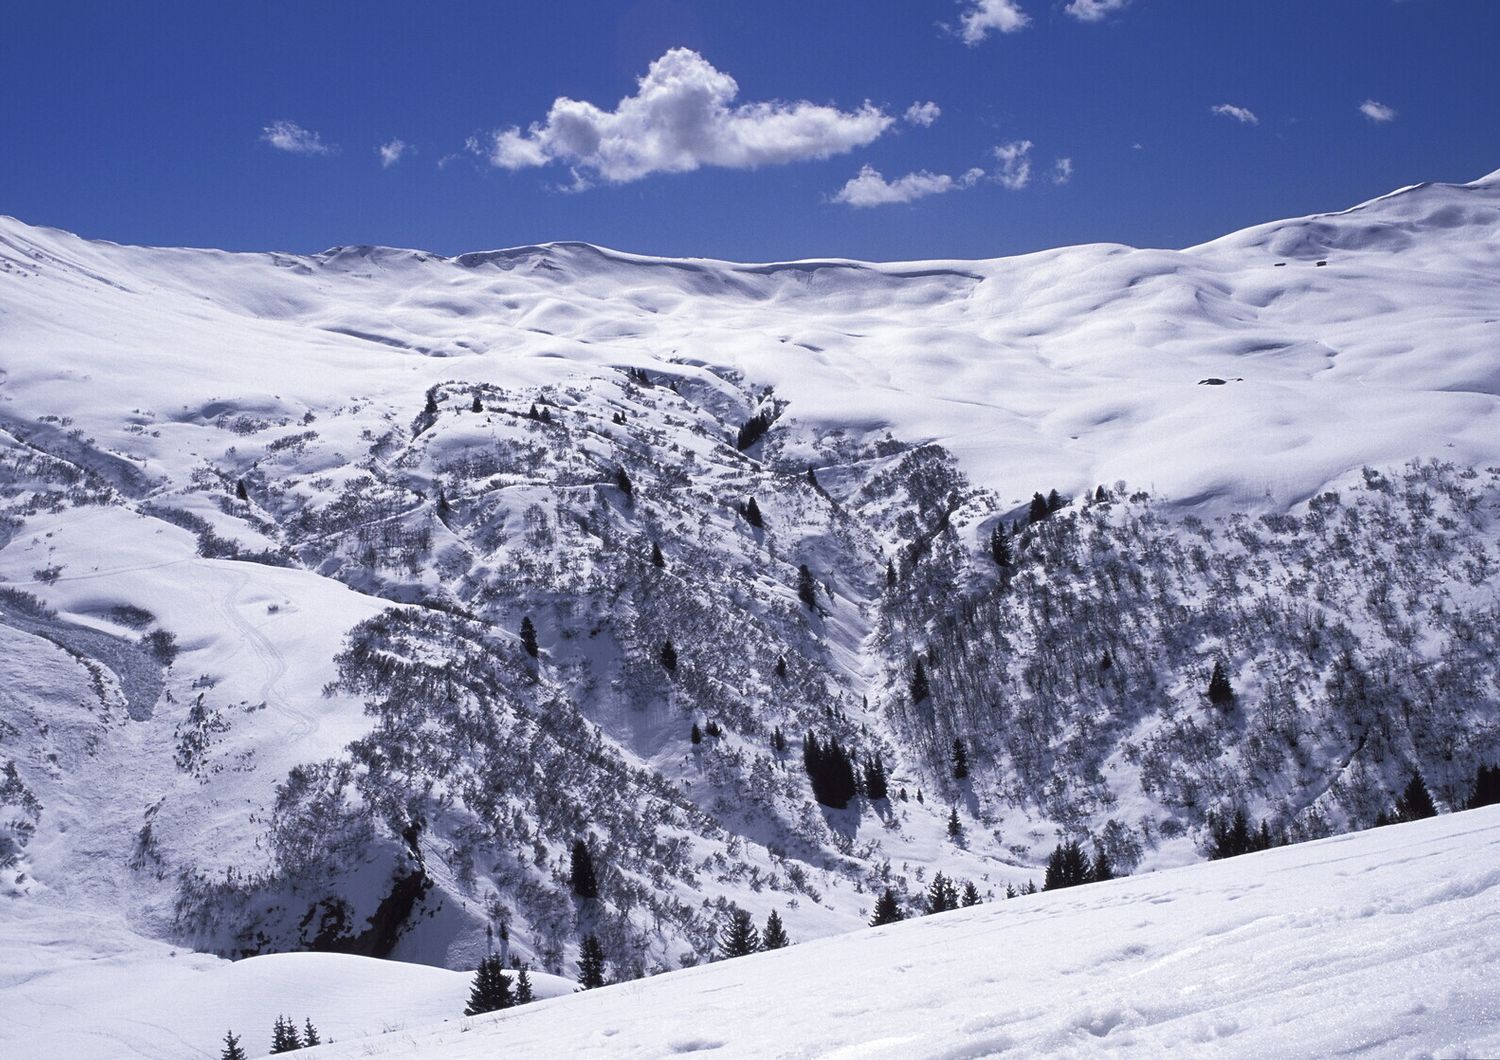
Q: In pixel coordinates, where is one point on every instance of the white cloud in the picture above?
(680, 119)
(872, 189)
(1062, 171)
(982, 17)
(1015, 164)
(390, 153)
(1239, 114)
(289, 136)
(923, 114)
(1094, 10)
(1377, 112)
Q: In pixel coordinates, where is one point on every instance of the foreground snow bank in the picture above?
(1382, 943)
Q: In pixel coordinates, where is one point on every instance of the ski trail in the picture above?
(272, 661)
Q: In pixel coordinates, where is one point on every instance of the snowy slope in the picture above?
(1382, 943)
(269, 525)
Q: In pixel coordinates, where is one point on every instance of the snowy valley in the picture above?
(343, 596)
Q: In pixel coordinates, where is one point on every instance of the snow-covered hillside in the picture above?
(270, 526)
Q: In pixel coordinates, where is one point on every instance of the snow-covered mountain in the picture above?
(271, 525)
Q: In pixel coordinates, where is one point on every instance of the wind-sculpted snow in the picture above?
(302, 505)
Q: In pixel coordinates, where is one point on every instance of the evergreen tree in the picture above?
(781, 667)
(1229, 837)
(532, 413)
(807, 589)
(1054, 502)
(284, 1037)
(1220, 694)
(942, 895)
(310, 1034)
(752, 430)
(831, 771)
(668, 657)
(591, 963)
(919, 689)
(955, 826)
(1038, 510)
(657, 559)
(812, 478)
(1100, 496)
(875, 778)
(528, 637)
(739, 936)
(478, 405)
(960, 760)
(887, 909)
(1067, 867)
(1000, 546)
(546, 415)
(695, 734)
(1486, 787)
(778, 740)
(970, 895)
(491, 989)
(774, 937)
(1414, 803)
(1106, 660)
(523, 985)
(713, 729)
(581, 875)
(1102, 869)
(622, 480)
(444, 509)
(232, 1050)
(890, 574)
(241, 492)
(751, 512)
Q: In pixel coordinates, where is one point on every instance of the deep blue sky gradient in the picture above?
(141, 122)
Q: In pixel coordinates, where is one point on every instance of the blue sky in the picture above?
(259, 125)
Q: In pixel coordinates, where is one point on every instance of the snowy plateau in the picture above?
(272, 740)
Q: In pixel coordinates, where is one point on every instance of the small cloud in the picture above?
(390, 153)
(1015, 164)
(872, 189)
(1244, 115)
(1062, 171)
(289, 136)
(983, 17)
(923, 114)
(1377, 112)
(682, 117)
(1094, 10)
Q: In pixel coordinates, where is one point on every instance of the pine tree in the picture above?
(591, 963)
(310, 1034)
(1068, 866)
(581, 875)
(807, 589)
(1415, 804)
(1100, 496)
(241, 492)
(751, 512)
(774, 937)
(1220, 694)
(890, 574)
(955, 826)
(695, 734)
(781, 667)
(970, 895)
(668, 657)
(523, 985)
(491, 989)
(622, 480)
(444, 509)
(830, 770)
(941, 895)
(1106, 661)
(1054, 502)
(232, 1050)
(1102, 868)
(887, 909)
(875, 778)
(657, 559)
(478, 405)
(960, 760)
(1038, 510)
(739, 936)
(1486, 787)
(1000, 546)
(284, 1037)
(919, 689)
(778, 740)
(528, 637)
(812, 478)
